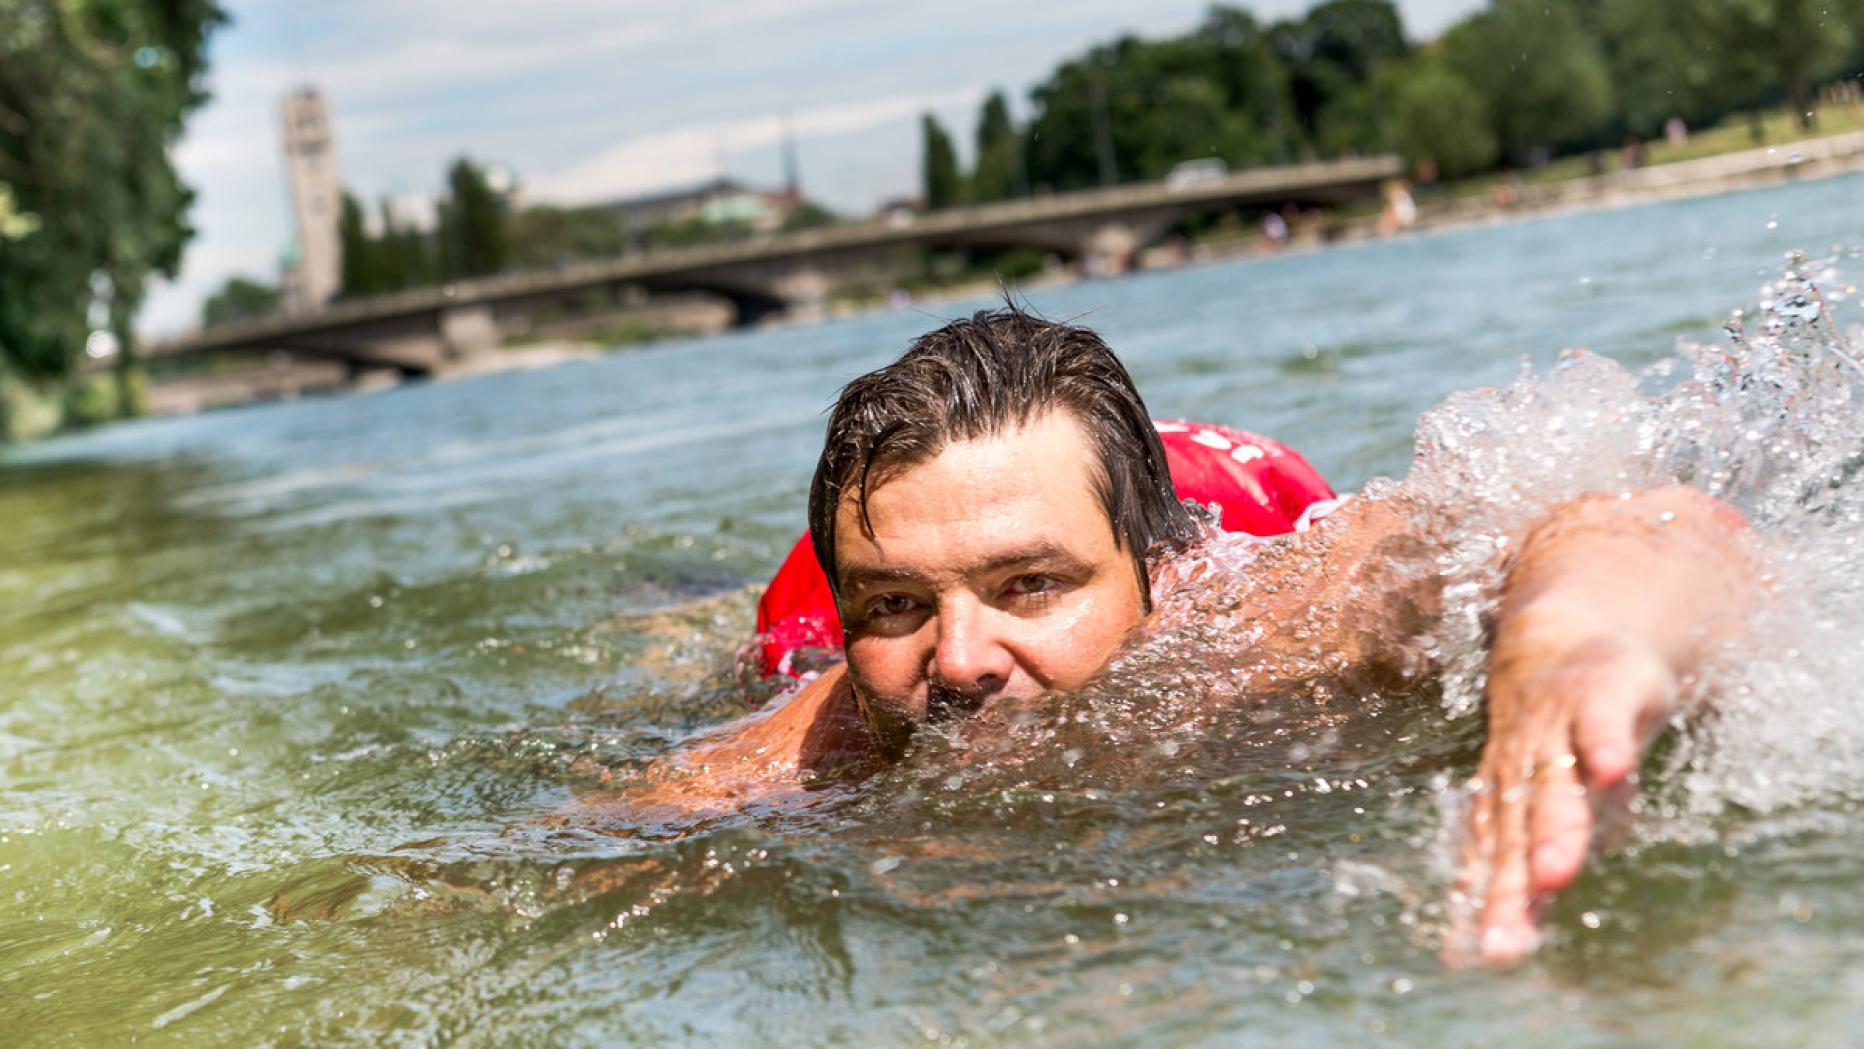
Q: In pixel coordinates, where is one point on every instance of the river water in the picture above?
(287, 694)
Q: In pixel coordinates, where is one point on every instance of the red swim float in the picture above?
(1260, 486)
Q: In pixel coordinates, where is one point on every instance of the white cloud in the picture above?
(430, 64)
(691, 153)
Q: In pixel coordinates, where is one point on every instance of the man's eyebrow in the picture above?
(853, 577)
(1041, 554)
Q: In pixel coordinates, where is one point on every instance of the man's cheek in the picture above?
(885, 684)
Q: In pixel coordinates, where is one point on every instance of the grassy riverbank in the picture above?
(1773, 128)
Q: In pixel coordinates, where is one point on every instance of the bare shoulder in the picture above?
(1340, 600)
(1369, 533)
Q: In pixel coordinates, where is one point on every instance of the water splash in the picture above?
(1294, 789)
(1770, 420)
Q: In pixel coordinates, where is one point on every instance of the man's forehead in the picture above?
(1024, 495)
(1047, 460)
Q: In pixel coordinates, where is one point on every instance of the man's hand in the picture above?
(1608, 604)
(1570, 710)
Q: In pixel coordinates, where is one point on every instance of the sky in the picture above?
(588, 100)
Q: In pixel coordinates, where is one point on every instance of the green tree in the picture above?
(406, 259)
(1438, 117)
(359, 270)
(1331, 53)
(92, 95)
(239, 299)
(473, 240)
(998, 174)
(1191, 121)
(942, 184)
(1799, 41)
(395, 259)
(1255, 82)
(1220, 90)
(1062, 149)
(1671, 58)
(1354, 121)
(1541, 74)
(548, 235)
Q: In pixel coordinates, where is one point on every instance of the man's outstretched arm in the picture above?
(1609, 603)
(764, 758)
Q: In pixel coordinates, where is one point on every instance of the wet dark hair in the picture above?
(994, 371)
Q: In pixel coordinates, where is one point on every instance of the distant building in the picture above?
(313, 272)
(719, 201)
(900, 212)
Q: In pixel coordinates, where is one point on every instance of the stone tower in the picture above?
(315, 274)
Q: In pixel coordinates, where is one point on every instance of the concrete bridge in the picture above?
(417, 333)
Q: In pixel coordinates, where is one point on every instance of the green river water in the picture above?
(285, 692)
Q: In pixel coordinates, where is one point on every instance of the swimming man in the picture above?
(990, 509)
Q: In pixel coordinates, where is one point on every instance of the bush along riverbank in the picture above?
(32, 409)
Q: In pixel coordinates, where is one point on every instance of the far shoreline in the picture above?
(1807, 160)
(1445, 209)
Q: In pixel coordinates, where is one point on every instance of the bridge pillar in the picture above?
(466, 331)
(1112, 248)
(805, 291)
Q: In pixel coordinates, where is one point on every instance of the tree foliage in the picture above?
(1795, 41)
(1669, 60)
(1516, 82)
(546, 235)
(1541, 74)
(1439, 118)
(998, 174)
(941, 181)
(473, 239)
(92, 94)
(239, 299)
(359, 273)
(1334, 50)
(393, 259)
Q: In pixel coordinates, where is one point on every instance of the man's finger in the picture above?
(1507, 928)
(1559, 825)
(1610, 730)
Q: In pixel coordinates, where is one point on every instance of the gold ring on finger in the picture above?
(1560, 761)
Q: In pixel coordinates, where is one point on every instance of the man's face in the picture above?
(992, 571)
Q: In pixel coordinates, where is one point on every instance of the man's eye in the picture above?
(891, 605)
(1032, 585)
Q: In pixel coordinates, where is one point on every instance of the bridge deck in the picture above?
(1324, 181)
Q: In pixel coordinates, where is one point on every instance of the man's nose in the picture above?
(971, 655)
